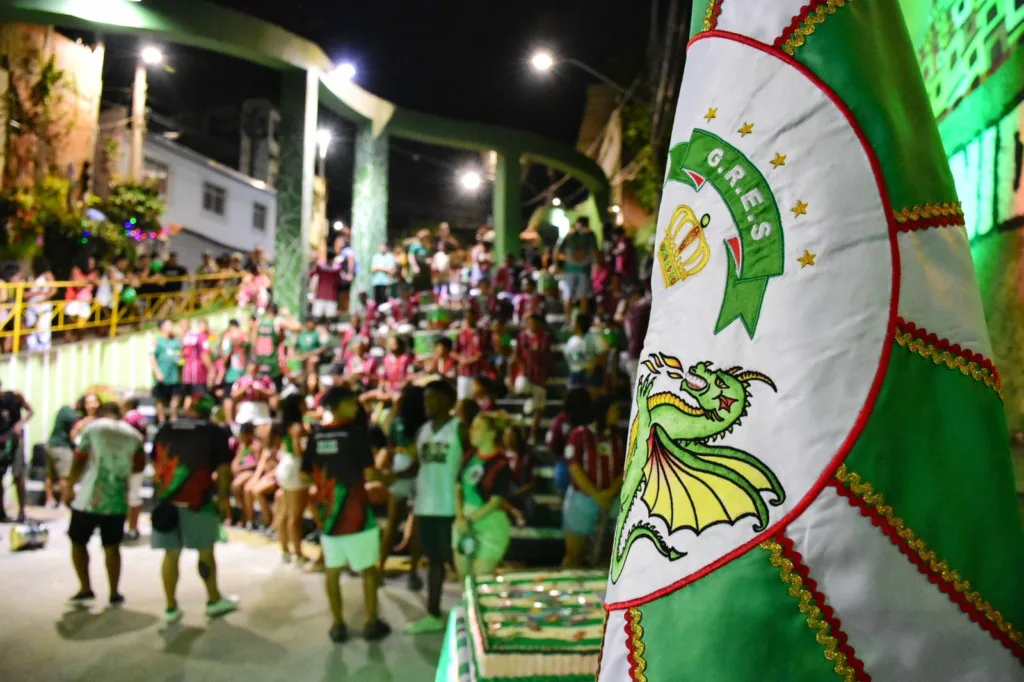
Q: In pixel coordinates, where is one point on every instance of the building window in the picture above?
(157, 172)
(214, 198)
(259, 216)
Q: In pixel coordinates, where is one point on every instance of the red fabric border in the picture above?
(631, 656)
(828, 614)
(887, 345)
(934, 578)
(907, 327)
(799, 19)
(927, 223)
(716, 11)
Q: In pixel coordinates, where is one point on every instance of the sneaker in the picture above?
(82, 597)
(377, 630)
(428, 623)
(224, 606)
(131, 536)
(116, 599)
(172, 616)
(338, 633)
(415, 582)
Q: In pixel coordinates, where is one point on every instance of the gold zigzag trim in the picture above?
(707, 14)
(866, 492)
(951, 360)
(636, 647)
(799, 36)
(810, 609)
(928, 211)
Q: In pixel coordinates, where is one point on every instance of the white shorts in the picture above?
(135, 490)
(79, 309)
(359, 551)
(289, 473)
(322, 308)
(253, 413)
(464, 387)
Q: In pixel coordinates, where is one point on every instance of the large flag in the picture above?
(818, 482)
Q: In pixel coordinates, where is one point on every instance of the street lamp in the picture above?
(470, 180)
(556, 202)
(345, 71)
(543, 61)
(323, 144)
(150, 55)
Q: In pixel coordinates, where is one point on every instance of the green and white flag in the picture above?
(818, 482)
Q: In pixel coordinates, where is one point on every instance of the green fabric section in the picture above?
(700, 7)
(936, 448)
(863, 53)
(736, 624)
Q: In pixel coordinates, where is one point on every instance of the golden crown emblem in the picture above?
(682, 258)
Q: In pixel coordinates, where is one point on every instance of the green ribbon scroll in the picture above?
(757, 253)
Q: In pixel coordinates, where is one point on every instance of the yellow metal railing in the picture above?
(33, 314)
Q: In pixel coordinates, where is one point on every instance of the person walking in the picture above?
(189, 452)
(109, 451)
(439, 451)
(14, 414)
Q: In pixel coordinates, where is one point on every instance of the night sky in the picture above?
(455, 58)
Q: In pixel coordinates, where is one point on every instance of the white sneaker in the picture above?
(224, 606)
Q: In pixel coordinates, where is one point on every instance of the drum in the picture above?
(423, 343)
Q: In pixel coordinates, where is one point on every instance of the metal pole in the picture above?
(138, 121)
(626, 94)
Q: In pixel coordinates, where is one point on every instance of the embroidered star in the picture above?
(800, 208)
(746, 129)
(779, 160)
(807, 259)
(712, 113)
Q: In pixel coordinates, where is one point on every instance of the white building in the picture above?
(219, 209)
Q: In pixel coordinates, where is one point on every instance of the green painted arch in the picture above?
(199, 24)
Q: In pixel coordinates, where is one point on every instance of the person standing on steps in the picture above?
(14, 413)
(439, 451)
(109, 452)
(339, 460)
(164, 359)
(187, 454)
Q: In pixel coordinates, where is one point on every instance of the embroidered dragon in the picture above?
(671, 462)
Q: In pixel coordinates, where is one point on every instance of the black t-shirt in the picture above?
(174, 271)
(490, 477)
(11, 404)
(336, 457)
(186, 454)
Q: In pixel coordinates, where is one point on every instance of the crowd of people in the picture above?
(274, 423)
(141, 287)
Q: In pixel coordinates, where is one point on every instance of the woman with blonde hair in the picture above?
(482, 529)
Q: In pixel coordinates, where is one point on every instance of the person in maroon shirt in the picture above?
(442, 361)
(469, 353)
(328, 281)
(505, 276)
(528, 302)
(533, 356)
(608, 299)
(596, 456)
(405, 308)
(623, 256)
(524, 480)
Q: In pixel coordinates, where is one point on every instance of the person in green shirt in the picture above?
(59, 452)
(165, 359)
(482, 530)
(578, 251)
(306, 348)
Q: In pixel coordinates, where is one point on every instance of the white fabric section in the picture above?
(817, 323)
(757, 19)
(934, 264)
(614, 652)
(901, 626)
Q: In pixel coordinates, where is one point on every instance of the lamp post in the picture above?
(149, 56)
(543, 61)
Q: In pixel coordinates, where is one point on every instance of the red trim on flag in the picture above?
(927, 223)
(716, 11)
(635, 645)
(959, 598)
(828, 614)
(907, 327)
(797, 22)
(887, 345)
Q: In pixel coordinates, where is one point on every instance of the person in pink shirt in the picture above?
(405, 308)
(253, 393)
(361, 367)
(528, 301)
(197, 372)
(393, 372)
(469, 353)
(533, 357)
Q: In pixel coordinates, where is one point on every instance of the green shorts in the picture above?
(196, 530)
(493, 534)
(358, 551)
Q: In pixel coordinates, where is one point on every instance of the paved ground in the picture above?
(279, 634)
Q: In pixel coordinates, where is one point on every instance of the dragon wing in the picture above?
(689, 491)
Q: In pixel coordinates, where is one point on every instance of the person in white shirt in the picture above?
(440, 266)
(585, 353)
(439, 452)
